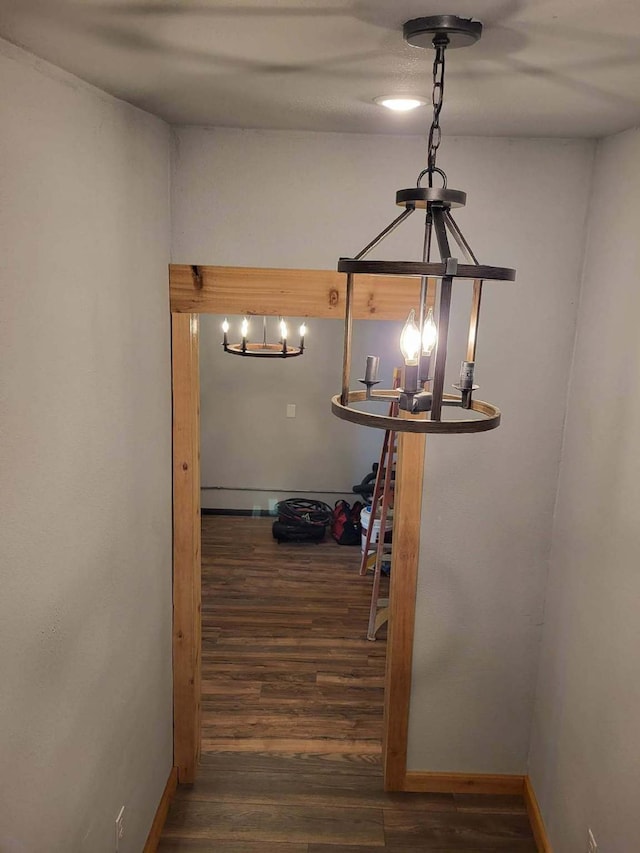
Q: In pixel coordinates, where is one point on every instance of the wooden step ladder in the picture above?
(381, 504)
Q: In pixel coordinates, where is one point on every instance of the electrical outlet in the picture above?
(592, 844)
(119, 828)
(291, 410)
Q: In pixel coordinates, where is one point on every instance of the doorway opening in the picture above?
(312, 294)
(287, 671)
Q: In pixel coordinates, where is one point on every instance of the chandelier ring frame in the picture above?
(261, 350)
(490, 421)
(420, 269)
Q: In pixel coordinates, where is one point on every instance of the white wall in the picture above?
(585, 754)
(260, 198)
(254, 198)
(267, 456)
(85, 456)
(488, 499)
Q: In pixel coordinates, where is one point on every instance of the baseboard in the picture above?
(463, 783)
(153, 839)
(535, 818)
(258, 513)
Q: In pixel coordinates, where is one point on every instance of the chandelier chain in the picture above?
(437, 98)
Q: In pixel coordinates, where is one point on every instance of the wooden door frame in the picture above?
(198, 290)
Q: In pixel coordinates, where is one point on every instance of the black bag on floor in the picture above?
(284, 532)
(301, 520)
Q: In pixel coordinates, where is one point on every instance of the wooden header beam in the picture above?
(294, 293)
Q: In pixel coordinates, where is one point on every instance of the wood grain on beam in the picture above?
(186, 544)
(406, 547)
(290, 292)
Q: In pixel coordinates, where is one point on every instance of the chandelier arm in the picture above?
(474, 320)
(441, 347)
(348, 330)
(441, 232)
(474, 316)
(384, 233)
(459, 238)
(426, 257)
(443, 311)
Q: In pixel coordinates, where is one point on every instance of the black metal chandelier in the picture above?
(423, 341)
(263, 349)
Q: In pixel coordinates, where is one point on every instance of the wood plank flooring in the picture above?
(292, 697)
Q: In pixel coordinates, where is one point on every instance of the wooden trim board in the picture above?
(292, 292)
(463, 783)
(483, 783)
(402, 601)
(535, 818)
(153, 839)
(186, 545)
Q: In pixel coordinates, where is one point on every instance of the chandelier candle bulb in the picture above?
(371, 370)
(303, 332)
(429, 334)
(244, 331)
(225, 330)
(283, 335)
(410, 340)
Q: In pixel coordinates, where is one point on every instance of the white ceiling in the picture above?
(542, 68)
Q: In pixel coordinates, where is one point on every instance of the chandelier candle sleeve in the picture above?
(429, 340)
(225, 332)
(371, 370)
(466, 375)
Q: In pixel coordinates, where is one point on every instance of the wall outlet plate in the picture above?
(119, 828)
(592, 844)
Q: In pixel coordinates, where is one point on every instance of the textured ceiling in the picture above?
(542, 68)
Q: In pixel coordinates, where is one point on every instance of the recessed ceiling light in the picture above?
(400, 105)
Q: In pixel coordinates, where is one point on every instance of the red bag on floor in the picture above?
(345, 523)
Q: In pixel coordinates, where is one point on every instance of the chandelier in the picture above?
(423, 341)
(263, 349)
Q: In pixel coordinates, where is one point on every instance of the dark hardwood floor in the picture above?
(292, 716)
